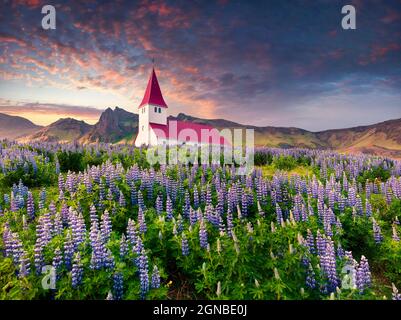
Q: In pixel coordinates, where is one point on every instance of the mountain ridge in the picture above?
(121, 126)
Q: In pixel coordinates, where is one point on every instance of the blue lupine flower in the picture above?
(77, 271)
(118, 285)
(155, 283)
(203, 235)
(184, 245)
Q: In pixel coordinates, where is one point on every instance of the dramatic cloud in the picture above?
(251, 62)
(42, 113)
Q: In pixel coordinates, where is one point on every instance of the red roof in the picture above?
(201, 130)
(153, 94)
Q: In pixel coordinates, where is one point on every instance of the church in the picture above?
(155, 127)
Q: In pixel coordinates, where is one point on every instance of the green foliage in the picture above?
(284, 162)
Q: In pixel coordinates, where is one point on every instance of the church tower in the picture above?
(152, 110)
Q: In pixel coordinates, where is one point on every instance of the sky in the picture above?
(266, 63)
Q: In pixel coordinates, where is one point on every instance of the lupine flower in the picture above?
(328, 264)
(105, 226)
(395, 295)
(311, 278)
(143, 274)
(155, 283)
(24, 269)
(30, 206)
(123, 246)
(169, 209)
(141, 221)
(132, 233)
(57, 224)
(363, 275)
(203, 235)
(68, 250)
(377, 232)
(57, 262)
(77, 271)
(118, 285)
(279, 214)
(184, 245)
(159, 205)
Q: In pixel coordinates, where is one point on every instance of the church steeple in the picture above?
(153, 94)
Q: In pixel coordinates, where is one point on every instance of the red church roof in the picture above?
(153, 94)
(162, 131)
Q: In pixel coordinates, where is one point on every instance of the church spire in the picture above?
(153, 94)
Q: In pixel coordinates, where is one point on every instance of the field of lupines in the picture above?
(109, 226)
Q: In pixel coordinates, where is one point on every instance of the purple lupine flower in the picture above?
(25, 265)
(328, 264)
(141, 203)
(193, 216)
(222, 226)
(208, 196)
(310, 240)
(321, 243)
(184, 245)
(42, 198)
(187, 205)
(105, 226)
(123, 246)
(118, 285)
(77, 271)
(368, 208)
(230, 224)
(279, 214)
(363, 275)
(121, 200)
(65, 214)
(141, 221)
(311, 278)
(196, 198)
(57, 262)
(203, 235)
(108, 259)
(180, 224)
(377, 232)
(38, 256)
(132, 233)
(68, 250)
(57, 224)
(30, 206)
(159, 205)
(169, 209)
(155, 282)
(16, 249)
(395, 294)
(244, 203)
(143, 274)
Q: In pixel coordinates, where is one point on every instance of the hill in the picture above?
(12, 127)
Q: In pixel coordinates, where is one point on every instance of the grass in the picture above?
(270, 170)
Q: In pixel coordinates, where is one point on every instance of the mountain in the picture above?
(383, 138)
(114, 126)
(120, 126)
(12, 127)
(63, 130)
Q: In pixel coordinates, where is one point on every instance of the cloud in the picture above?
(45, 113)
(227, 59)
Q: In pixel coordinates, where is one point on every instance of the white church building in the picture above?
(156, 128)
